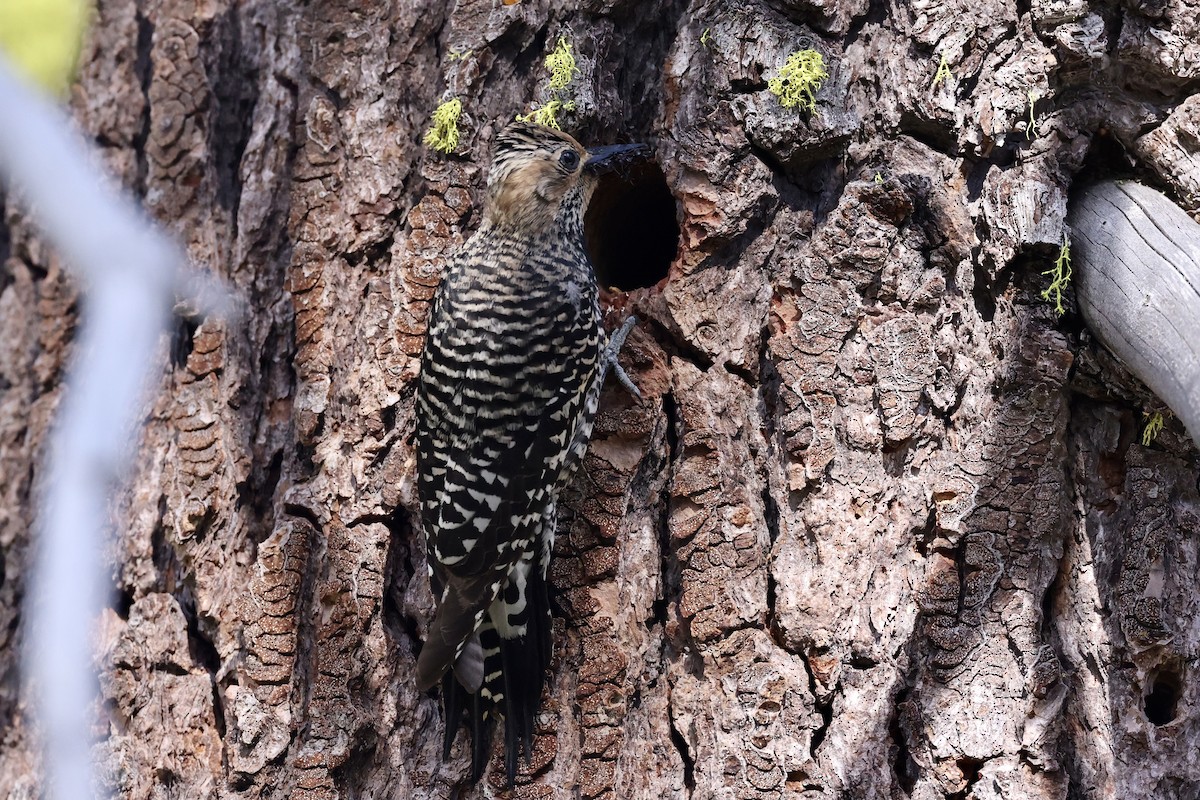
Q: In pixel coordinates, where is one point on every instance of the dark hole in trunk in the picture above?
(631, 228)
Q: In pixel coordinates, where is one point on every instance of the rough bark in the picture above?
(880, 526)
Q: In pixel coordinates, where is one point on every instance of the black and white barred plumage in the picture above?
(510, 378)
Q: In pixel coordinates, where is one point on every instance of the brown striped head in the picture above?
(533, 170)
(538, 173)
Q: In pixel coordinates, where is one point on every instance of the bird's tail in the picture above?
(517, 643)
(460, 614)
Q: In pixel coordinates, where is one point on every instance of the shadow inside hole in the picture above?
(1162, 701)
(631, 230)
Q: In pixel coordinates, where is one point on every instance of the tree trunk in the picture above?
(880, 526)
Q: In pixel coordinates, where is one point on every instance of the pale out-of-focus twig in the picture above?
(130, 274)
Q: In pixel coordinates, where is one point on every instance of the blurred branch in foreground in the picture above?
(131, 275)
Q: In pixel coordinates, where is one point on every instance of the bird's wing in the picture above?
(482, 486)
(487, 470)
(494, 426)
(476, 536)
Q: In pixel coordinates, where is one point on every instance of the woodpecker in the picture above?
(510, 379)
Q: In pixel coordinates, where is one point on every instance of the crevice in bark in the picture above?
(976, 170)
(822, 707)
(861, 661)
(144, 68)
(396, 523)
(1114, 24)
(876, 13)
(970, 769)
(1108, 158)
(923, 219)
(356, 772)
(258, 493)
(176, 580)
(771, 516)
(947, 415)
(904, 767)
(689, 764)
(1049, 597)
(200, 646)
(436, 38)
(39, 273)
(825, 709)
(303, 512)
(1025, 271)
(982, 293)
(374, 255)
(218, 705)
(182, 340)
(510, 47)
(235, 95)
(1014, 648)
(204, 524)
(304, 464)
(966, 86)
(668, 605)
(307, 616)
(745, 373)
(399, 570)
(644, 37)
(929, 132)
(768, 407)
(167, 779)
(387, 417)
(276, 361)
(769, 403)
(815, 185)
(959, 556)
(121, 603)
(732, 250)
(165, 560)
(204, 655)
(743, 86)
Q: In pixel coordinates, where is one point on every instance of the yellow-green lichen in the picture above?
(443, 129)
(706, 37)
(1154, 426)
(562, 66)
(943, 72)
(547, 114)
(1060, 276)
(799, 79)
(1032, 129)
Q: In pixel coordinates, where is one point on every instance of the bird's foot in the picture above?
(615, 343)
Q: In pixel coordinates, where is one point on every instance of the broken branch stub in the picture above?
(1138, 256)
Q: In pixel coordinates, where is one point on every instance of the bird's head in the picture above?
(538, 173)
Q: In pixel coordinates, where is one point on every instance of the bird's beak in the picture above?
(614, 156)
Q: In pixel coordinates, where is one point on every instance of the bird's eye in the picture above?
(569, 159)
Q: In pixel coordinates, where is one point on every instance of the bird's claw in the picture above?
(615, 343)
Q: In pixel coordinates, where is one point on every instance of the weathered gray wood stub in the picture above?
(1137, 256)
